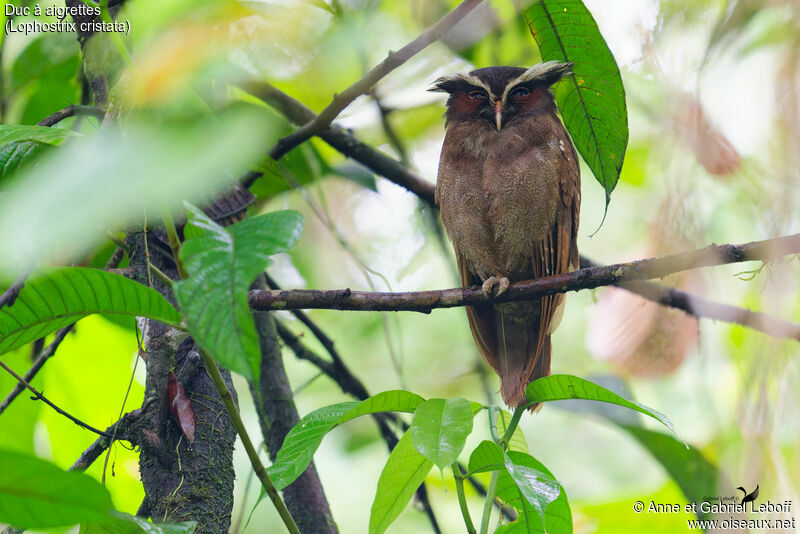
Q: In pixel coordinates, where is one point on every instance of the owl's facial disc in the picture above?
(498, 115)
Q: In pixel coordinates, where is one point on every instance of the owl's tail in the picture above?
(521, 355)
(508, 336)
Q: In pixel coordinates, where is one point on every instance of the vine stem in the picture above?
(462, 499)
(258, 467)
(487, 505)
(503, 443)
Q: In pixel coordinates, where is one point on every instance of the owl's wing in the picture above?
(557, 253)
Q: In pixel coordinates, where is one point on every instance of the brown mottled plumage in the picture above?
(509, 194)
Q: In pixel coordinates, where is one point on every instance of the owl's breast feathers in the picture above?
(500, 192)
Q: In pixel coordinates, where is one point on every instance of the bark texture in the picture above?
(182, 481)
(277, 414)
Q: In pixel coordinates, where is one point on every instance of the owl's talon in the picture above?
(500, 283)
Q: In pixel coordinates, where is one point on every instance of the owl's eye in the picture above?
(520, 91)
(477, 95)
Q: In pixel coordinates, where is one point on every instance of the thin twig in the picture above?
(40, 360)
(70, 111)
(363, 86)
(38, 396)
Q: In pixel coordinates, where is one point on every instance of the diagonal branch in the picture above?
(363, 86)
(39, 396)
(585, 278)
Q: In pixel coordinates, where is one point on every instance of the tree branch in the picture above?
(70, 111)
(586, 278)
(362, 86)
(10, 295)
(93, 452)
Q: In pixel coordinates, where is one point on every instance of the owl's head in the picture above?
(498, 94)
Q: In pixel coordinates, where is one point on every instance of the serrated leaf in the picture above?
(403, 473)
(592, 99)
(560, 387)
(222, 263)
(517, 442)
(303, 440)
(59, 297)
(10, 133)
(35, 494)
(440, 428)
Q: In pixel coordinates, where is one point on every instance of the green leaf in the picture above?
(517, 441)
(403, 473)
(560, 387)
(303, 440)
(592, 99)
(35, 494)
(45, 53)
(222, 263)
(440, 428)
(10, 133)
(528, 486)
(558, 516)
(121, 523)
(59, 297)
(17, 154)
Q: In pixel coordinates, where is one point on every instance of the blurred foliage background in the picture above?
(713, 94)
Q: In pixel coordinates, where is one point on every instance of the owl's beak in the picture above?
(498, 115)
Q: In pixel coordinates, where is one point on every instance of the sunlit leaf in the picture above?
(592, 100)
(37, 494)
(403, 473)
(303, 440)
(59, 297)
(440, 428)
(222, 263)
(560, 387)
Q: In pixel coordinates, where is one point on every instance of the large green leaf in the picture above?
(403, 473)
(303, 440)
(528, 486)
(222, 263)
(440, 428)
(10, 133)
(560, 387)
(59, 297)
(37, 494)
(592, 99)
